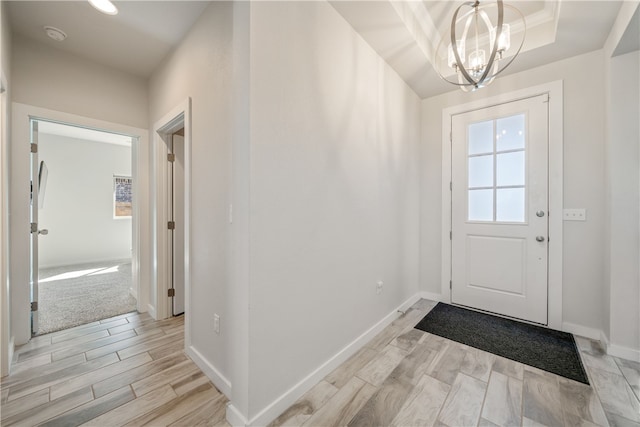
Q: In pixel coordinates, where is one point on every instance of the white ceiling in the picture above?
(135, 40)
(404, 33)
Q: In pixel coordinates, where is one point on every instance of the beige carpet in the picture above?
(79, 294)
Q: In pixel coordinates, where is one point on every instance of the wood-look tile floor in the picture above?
(126, 370)
(406, 377)
(131, 370)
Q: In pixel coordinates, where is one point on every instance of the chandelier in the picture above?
(477, 48)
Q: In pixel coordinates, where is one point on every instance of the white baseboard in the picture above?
(234, 417)
(210, 371)
(583, 331)
(282, 403)
(431, 296)
(10, 351)
(152, 311)
(619, 351)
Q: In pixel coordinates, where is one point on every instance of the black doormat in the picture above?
(543, 348)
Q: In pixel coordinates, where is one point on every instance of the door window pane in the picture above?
(510, 169)
(480, 205)
(481, 171)
(481, 137)
(510, 133)
(510, 205)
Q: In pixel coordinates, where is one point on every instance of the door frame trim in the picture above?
(19, 206)
(555, 92)
(160, 306)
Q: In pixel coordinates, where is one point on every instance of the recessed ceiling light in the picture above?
(104, 6)
(55, 33)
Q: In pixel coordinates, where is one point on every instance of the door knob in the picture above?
(44, 232)
(540, 239)
(540, 214)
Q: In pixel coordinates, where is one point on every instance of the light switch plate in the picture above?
(575, 215)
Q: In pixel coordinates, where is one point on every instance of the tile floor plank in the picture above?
(464, 402)
(97, 375)
(341, 408)
(542, 399)
(92, 409)
(423, 404)
(177, 408)
(581, 400)
(341, 375)
(123, 344)
(478, 364)
(376, 371)
(304, 407)
(51, 409)
(616, 395)
(24, 404)
(211, 413)
(42, 370)
(91, 345)
(165, 377)
(48, 380)
(503, 401)
(119, 380)
(132, 409)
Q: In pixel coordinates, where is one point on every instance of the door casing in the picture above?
(554, 90)
(19, 208)
(161, 305)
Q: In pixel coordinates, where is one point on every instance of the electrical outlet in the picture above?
(216, 323)
(379, 287)
(575, 214)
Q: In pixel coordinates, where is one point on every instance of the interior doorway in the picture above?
(176, 217)
(82, 208)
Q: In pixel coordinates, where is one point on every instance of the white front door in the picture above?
(500, 209)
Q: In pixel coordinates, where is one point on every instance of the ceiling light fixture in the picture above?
(55, 33)
(477, 49)
(104, 6)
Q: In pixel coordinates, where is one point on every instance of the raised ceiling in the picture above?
(404, 33)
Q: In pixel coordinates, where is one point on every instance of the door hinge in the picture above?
(451, 235)
(34, 306)
(34, 148)
(450, 136)
(172, 292)
(34, 227)
(171, 157)
(171, 225)
(450, 186)
(450, 284)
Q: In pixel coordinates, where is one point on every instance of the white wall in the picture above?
(334, 192)
(584, 135)
(6, 348)
(323, 176)
(78, 204)
(200, 68)
(623, 154)
(50, 78)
